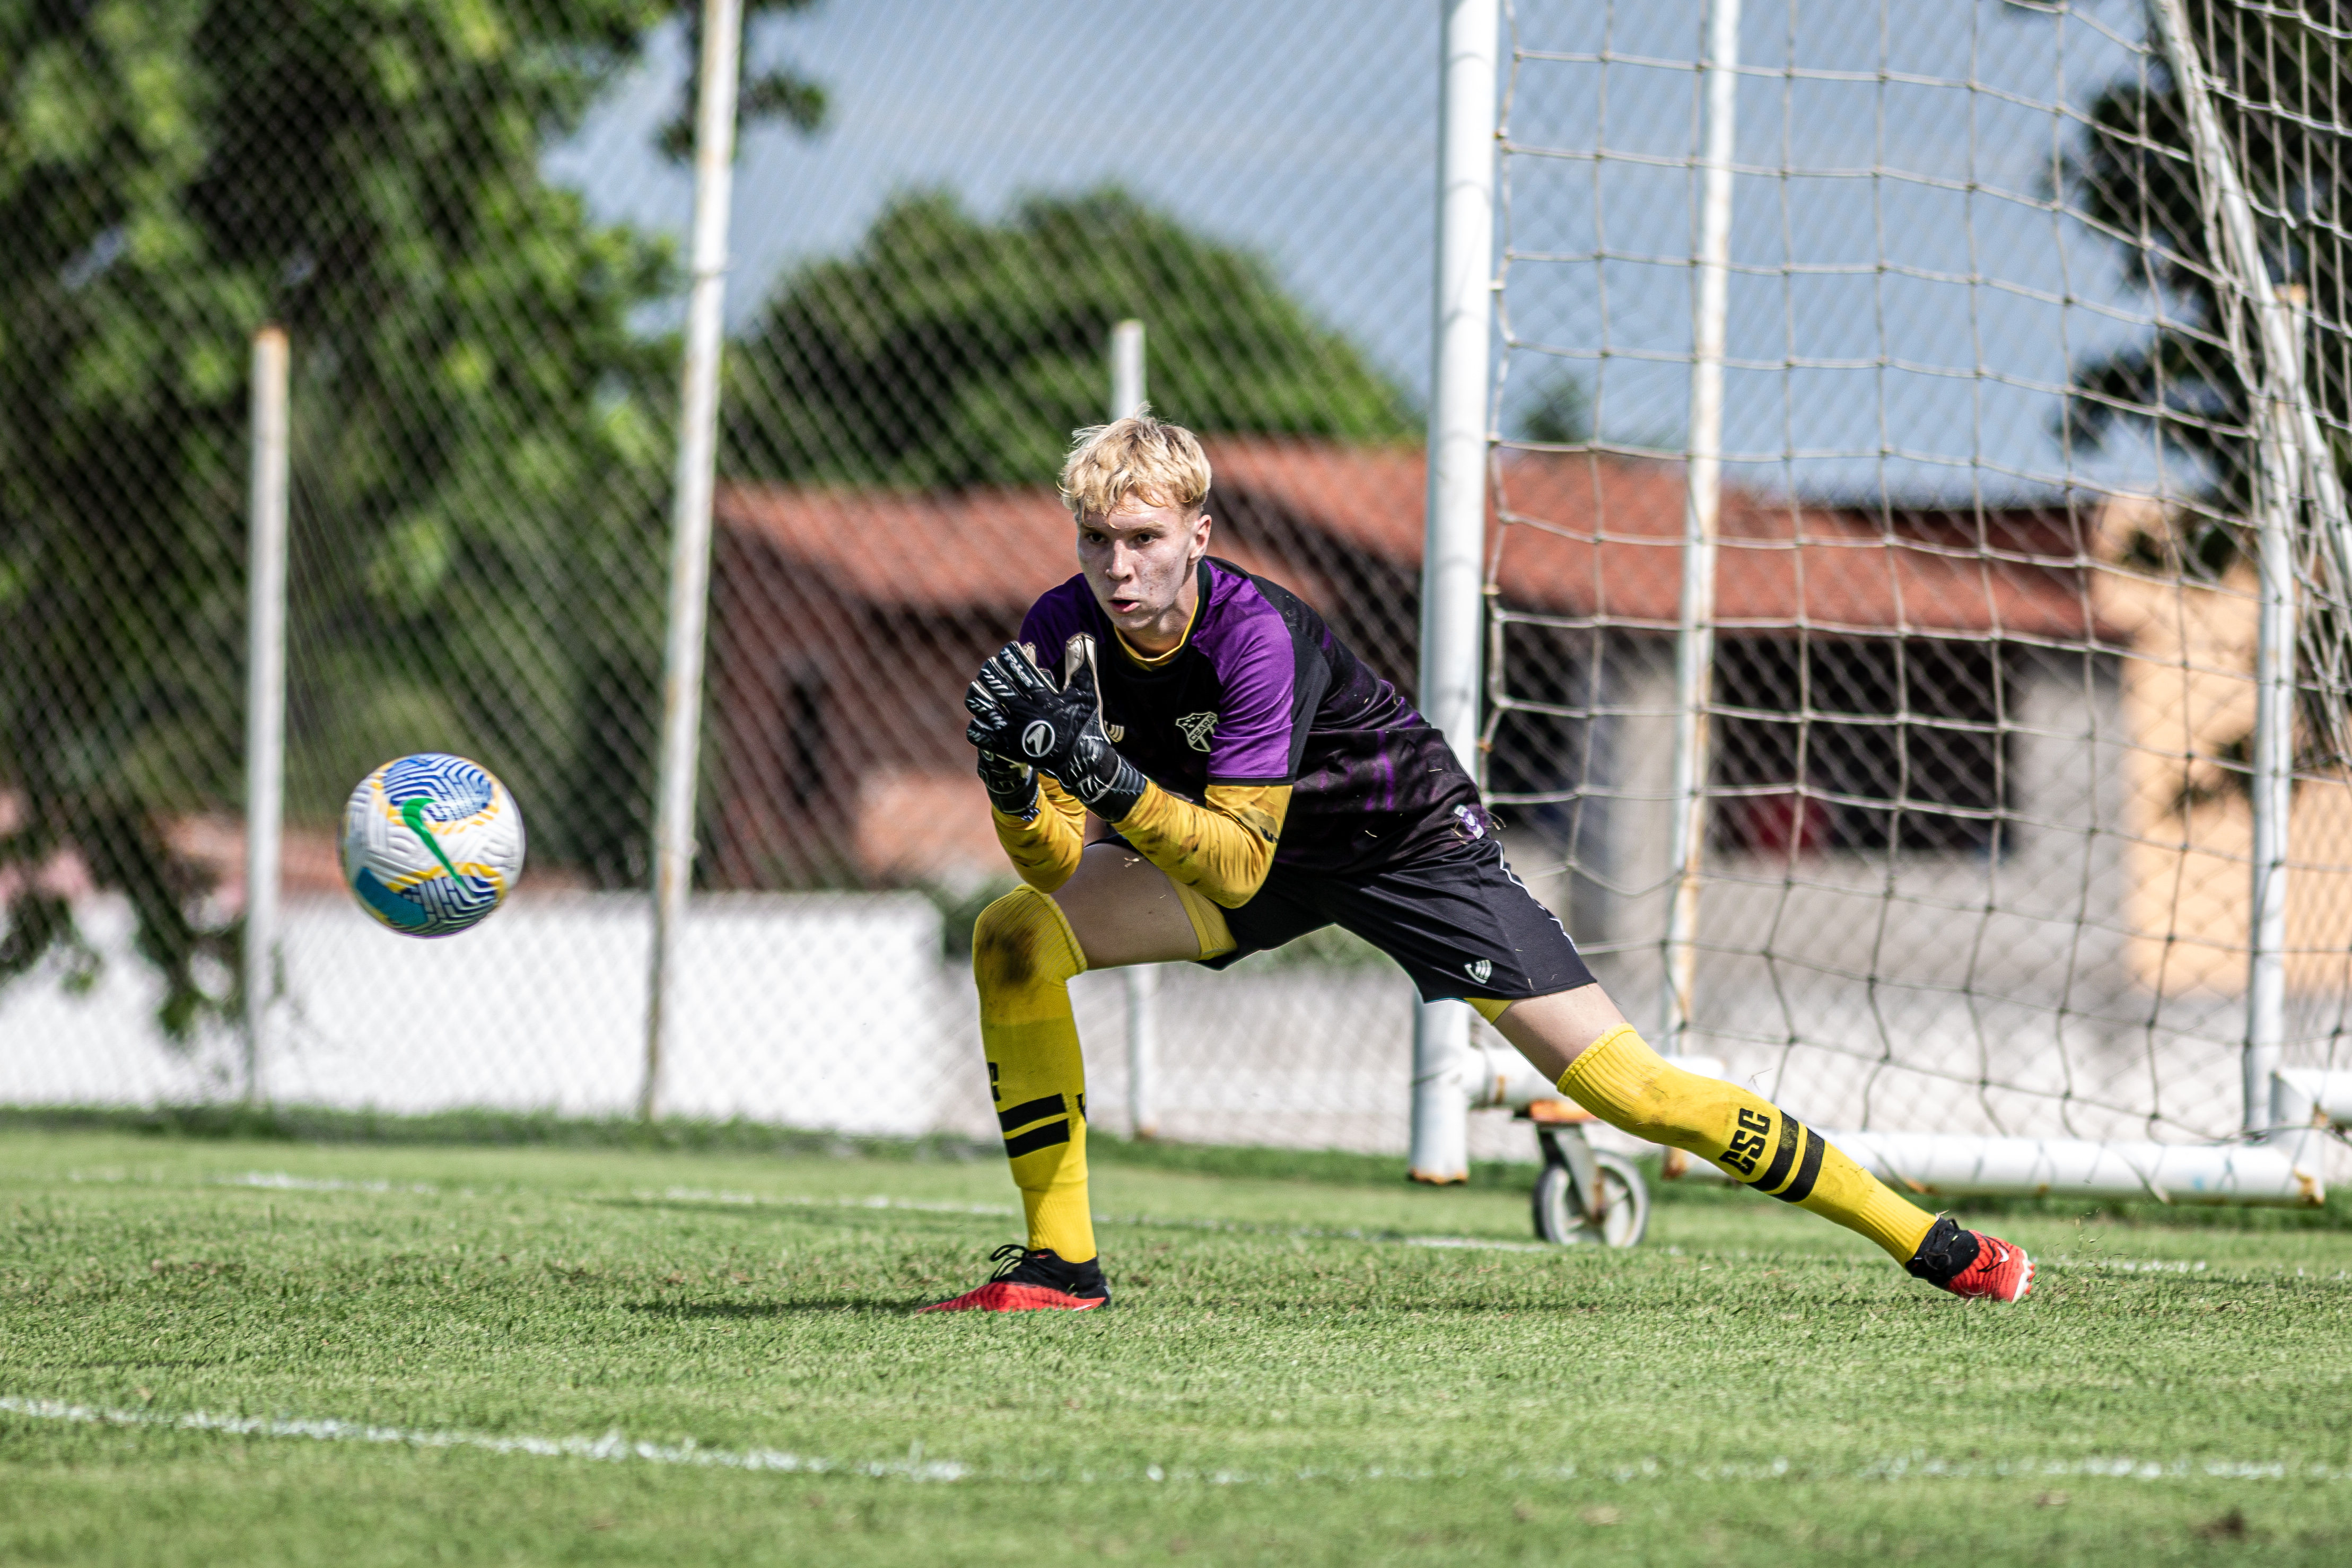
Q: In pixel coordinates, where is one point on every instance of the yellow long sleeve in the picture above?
(1221, 849)
(1044, 849)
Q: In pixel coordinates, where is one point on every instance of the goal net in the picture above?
(1918, 604)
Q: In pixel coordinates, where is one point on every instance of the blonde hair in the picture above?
(1159, 465)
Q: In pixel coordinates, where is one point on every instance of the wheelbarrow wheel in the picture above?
(1624, 1210)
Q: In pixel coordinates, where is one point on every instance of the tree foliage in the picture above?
(1562, 415)
(950, 350)
(480, 443)
(2134, 178)
(781, 91)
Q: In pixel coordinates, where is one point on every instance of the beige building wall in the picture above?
(2189, 718)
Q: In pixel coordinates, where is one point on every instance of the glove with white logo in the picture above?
(1012, 784)
(1018, 713)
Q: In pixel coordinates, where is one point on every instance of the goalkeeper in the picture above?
(1261, 782)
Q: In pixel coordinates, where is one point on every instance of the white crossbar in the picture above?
(2304, 1097)
(2270, 1174)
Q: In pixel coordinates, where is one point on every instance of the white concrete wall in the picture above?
(813, 1010)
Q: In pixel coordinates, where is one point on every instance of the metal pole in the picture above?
(265, 699)
(689, 559)
(1702, 515)
(1142, 1048)
(1143, 979)
(1452, 563)
(1125, 369)
(2271, 788)
(2288, 446)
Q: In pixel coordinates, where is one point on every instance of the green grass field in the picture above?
(252, 1351)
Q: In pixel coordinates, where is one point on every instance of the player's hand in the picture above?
(1012, 784)
(1058, 729)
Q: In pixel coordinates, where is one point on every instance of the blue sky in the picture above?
(1304, 131)
(1905, 305)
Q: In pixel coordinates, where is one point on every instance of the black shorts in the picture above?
(1455, 917)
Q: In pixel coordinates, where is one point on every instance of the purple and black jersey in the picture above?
(1262, 692)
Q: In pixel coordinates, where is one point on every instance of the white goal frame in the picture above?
(2285, 1112)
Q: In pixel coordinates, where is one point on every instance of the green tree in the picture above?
(1561, 416)
(2133, 178)
(949, 350)
(779, 91)
(480, 441)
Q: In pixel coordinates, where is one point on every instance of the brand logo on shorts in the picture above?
(1197, 729)
(1038, 739)
(1479, 970)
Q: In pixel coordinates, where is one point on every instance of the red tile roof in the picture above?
(934, 549)
(1594, 537)
(1601, 537)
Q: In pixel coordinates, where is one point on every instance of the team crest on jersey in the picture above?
(1198, 727)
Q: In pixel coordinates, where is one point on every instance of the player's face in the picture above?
(1139, 560)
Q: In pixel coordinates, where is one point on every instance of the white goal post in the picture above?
(1917, 581)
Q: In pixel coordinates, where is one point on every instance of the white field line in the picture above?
(617, 1448)
(283, 1181)
(280, 1181)
(2068, 1261)
(612, 1446)
(748, 1200)
(1326, 1233)
(277, 1181)
(756, 1200)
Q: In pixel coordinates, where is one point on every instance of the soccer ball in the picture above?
(432, 844)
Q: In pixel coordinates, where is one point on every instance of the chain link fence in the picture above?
(1980, 802)
(469, 217)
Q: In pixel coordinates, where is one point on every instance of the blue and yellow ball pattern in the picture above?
(432, 844)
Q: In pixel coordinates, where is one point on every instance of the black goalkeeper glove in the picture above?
(1011, 788)
(1012, 784)
(1058, 730)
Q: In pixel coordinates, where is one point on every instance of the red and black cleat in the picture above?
(1033, 1282)
(1971, 1264)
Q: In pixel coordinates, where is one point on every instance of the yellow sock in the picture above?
(1023, 956)
(1620, 1079)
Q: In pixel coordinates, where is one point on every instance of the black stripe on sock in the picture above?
(1036, 1138)
(1021, 1115)
(1792, 1133)
(1809, 1169)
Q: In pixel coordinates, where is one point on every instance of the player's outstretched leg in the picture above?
(1620, 1079)
(1754, 1142)
(1024, 956)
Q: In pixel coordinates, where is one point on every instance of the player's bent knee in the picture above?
(1021, 939)
(1209, 924)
